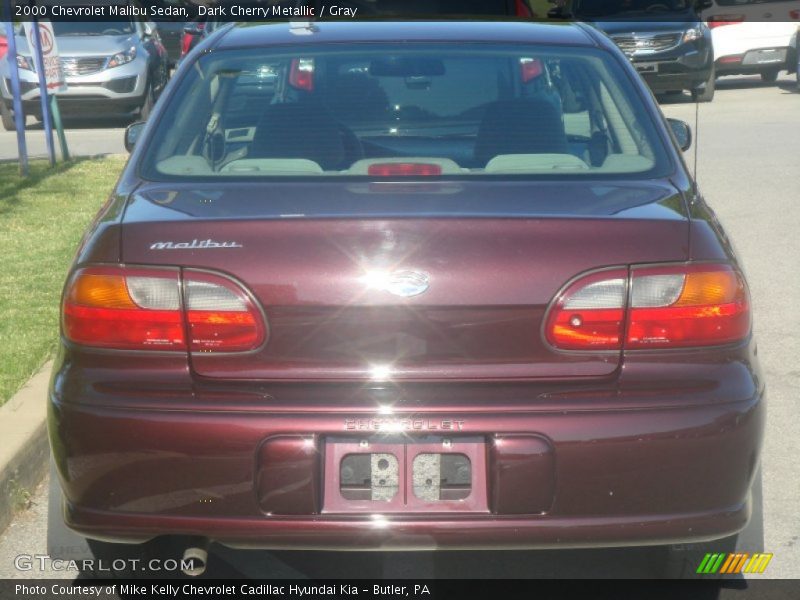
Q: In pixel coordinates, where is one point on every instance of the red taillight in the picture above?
(404, 169)
(142, 309)
(665, 307)
(530, 69)
(522, 9)
(794, 14)
(126, 309)
(731, 59)
(187, 38)
(590, 312)
(301, 74)
(220, 315)
(690, 305)
(720, 20)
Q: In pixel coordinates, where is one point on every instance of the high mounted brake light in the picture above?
(676, 306)
(400, 169)
(131, 308)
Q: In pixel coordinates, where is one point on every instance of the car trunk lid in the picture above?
(340, 268)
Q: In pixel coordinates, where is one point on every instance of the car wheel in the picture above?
(7, 117)
(148, 104)
(707, 95)
(769, 76)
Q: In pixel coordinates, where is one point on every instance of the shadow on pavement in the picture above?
(73, 123)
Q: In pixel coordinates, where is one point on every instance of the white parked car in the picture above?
(754, 36)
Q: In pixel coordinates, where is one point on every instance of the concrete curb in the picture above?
(25, 451)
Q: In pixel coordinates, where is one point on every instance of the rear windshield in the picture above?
(404, 110)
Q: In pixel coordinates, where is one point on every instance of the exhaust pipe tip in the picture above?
(194, 561)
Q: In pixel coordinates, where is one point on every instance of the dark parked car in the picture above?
(407, 286)
(666, 40)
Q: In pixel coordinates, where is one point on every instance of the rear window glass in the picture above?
(404, 110)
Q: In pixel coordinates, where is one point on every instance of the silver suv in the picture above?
(111, 68)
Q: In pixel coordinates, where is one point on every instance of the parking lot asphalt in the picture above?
(748, 168)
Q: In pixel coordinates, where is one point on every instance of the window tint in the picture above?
(405, 110)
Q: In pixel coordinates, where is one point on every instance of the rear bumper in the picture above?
(760, 60)
(255, 477)
(399, 534)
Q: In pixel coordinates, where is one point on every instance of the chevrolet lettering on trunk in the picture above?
(404, 424)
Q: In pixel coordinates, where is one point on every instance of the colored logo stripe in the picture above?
(758, 564)
(736, 562)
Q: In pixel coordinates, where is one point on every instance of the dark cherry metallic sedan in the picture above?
(407, 286)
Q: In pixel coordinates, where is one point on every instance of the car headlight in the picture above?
(692, 35)
(122, 58)
(25, 62)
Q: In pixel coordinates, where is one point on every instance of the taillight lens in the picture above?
(522, 9)
(695, 305)
(720, 20)
(590, 312)
(130, 308)
(220, 315)
(126, 309)
(301, 74)
(188, 38)
(530, 68)
(663, 307)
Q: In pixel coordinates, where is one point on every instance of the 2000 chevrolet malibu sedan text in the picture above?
(407, 286)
